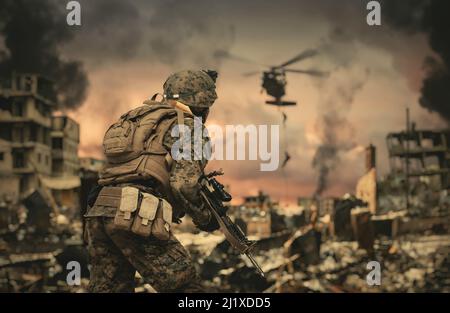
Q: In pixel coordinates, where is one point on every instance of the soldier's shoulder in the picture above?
(193, 121)
(146, 107)
(195, 126)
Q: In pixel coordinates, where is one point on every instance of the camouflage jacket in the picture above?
(184, 176)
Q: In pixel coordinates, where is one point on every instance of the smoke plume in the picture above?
(33, 32)
(431, 18)
(336, 132)
(337, 92)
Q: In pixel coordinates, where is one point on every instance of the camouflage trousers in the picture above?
(116, 255)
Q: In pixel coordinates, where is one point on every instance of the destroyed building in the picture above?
(254, 215)
(421, 153)
(419, 181)
(37, 148)
(366, 187)
(39, 184)
(26, 103)
(65, 140)
(65, 181)
(324, 205)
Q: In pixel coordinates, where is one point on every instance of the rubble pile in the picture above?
(439, 279)
(425, 199)
(411, 263)
(36, 246)
(39, 272)
(405, 263)
(330, 252)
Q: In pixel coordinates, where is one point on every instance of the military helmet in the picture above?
(195, 89)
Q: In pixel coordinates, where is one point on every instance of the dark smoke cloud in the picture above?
(432, 19)
(33, 32)
(325, 159)
(435, 90)
(406, 15)
(175, 33)
(193, 32)
(111, 30)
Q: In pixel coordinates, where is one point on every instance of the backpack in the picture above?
(133, 146)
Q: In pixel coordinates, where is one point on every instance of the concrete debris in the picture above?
(362, 229)
(306, 243)
(409, 263)
(36, 245)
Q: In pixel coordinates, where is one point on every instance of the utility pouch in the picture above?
(153, 218)
(145, 217)
(129, 203)
(161, 225)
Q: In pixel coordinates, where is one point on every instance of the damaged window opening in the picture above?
(19, 160)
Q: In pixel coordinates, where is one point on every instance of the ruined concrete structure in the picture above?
(324, 205)
(26, 103)
(421, 153)
(65, 140)
(253, 215)
(366, 190)
(366, 187)
(34, 144)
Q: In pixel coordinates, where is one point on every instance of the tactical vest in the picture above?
(133, 146)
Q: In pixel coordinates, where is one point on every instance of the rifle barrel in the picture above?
(256, 265)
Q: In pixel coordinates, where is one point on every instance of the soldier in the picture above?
(143, 188)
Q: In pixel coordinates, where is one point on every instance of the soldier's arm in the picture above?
(184, 176)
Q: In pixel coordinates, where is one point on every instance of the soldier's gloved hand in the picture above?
(213, 225)
(203, 219)
(176, 218)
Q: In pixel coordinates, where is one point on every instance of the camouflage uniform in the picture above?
(115, 255)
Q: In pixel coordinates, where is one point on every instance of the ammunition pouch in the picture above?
(129, 203)
(153, 218)
(139, 212)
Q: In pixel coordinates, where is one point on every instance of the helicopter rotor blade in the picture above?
(311, 72)
(252, 73)
(302, 56)
(222, 54)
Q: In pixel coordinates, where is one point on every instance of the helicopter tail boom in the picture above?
(281, 103)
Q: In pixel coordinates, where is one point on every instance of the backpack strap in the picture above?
(153, 98)
(165, 129)
(180, 119)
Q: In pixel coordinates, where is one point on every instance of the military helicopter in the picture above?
(274, 79)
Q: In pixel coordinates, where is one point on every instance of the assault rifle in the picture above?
(214, 195)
